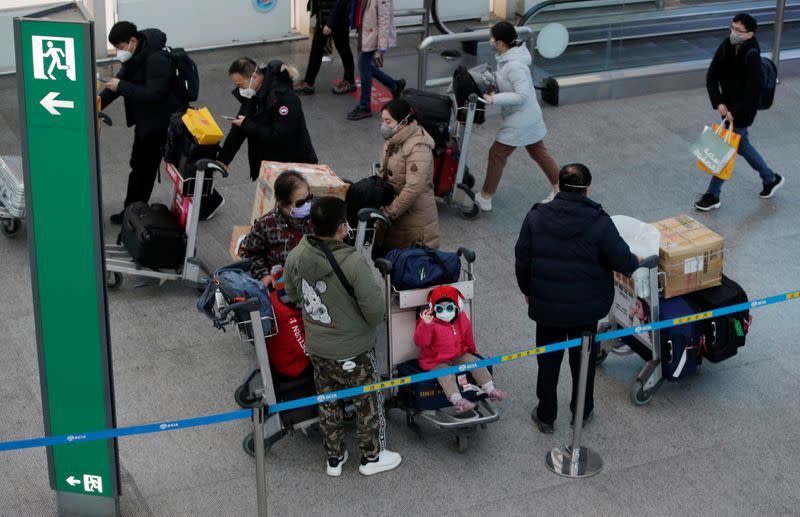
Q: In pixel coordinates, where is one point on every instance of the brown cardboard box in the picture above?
(321, 180)
(690, 256)
(239, 233)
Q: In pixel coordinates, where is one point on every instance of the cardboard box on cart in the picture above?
(322, 181)
(238, 235)
(690, 256)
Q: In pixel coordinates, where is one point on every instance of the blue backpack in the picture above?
(769, 81)
(419, 267)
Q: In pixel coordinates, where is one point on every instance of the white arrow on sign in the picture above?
(50, 103)
(72, 481)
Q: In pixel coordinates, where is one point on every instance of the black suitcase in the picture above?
(681, 345)
(153, 236)
(724, 335)
(433, 112)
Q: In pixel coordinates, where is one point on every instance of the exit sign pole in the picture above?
(58, 121)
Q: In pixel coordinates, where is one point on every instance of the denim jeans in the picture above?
(368, 70)
(750, 154)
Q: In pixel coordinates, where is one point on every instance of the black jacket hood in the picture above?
(150, 40)
(569, 215)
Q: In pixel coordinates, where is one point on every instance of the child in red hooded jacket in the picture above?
(444, 337)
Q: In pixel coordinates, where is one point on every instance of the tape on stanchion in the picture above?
(393, 383)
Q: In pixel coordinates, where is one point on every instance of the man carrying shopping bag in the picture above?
(734, 85)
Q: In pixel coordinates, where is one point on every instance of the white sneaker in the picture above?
(483, 203)
(386, 460)
(549, 197)
(334, 465)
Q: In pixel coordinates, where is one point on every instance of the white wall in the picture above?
(203, 23)
(10, 9)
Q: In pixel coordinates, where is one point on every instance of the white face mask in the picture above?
(249, 92)
(124, 55)
(737, 38)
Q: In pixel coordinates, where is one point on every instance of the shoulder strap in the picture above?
(337, 269)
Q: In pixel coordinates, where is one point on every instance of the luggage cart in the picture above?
(460, 194)
(12, 195)
(646, 345)
(402, 310)
(193, 271)
(9, 225)
(262, 384)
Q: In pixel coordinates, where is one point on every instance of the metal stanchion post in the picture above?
(259, 417)
(576, 461)
(778, 34)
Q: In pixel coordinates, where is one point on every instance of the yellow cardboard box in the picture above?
(322, 181)
(690, 256)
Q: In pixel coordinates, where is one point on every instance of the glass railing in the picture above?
(604, 35)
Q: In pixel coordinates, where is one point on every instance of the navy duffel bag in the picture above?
(419, 267)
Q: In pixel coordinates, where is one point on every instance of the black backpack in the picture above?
(463, 86)
(769, 80)
(186, 82)
(371, 192)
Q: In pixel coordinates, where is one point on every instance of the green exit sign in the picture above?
(58, 118)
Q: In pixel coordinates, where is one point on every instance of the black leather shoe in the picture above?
(586, 421)
(543, 427)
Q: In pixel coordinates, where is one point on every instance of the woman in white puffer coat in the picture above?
(523, 124)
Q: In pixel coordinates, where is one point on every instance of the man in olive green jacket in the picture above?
(342, 306)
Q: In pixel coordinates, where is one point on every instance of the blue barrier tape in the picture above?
(360, 390)
(126, 431)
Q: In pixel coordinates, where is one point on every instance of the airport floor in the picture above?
(724, 442)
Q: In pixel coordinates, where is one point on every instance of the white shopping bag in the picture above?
(643, 240)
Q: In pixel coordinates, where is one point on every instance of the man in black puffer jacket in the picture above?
(273, 122)
(566, 254)
(734, 85)
(145, 82)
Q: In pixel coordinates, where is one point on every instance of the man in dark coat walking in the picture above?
(566, 254)
(145, 82)
(734, 85)
(273, 122)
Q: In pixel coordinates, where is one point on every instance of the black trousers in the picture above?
(550, 367)
(341, 39)
(146, 154)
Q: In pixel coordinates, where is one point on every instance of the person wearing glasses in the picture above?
(277, 232)
(272, 120)
(444, 337)
(734, 85)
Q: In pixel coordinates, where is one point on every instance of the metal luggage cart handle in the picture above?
(208, 165)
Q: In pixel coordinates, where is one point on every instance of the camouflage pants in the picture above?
(330, 375)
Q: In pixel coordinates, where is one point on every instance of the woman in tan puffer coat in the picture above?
(408, 167)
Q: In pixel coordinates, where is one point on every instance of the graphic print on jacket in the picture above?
(312, 302)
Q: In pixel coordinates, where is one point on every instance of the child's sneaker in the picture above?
(462, 405)
(334, 466)
(385, 460)
(498, 395)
